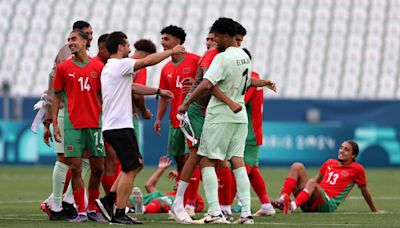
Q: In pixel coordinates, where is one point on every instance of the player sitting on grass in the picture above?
(155, 201)
(325, 192)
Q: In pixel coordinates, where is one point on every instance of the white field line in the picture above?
(257, 223)
(253, 198)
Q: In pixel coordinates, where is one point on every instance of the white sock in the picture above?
(266, 206)
(214, 213)
(294, 206)
(180, 192)
(226, 208)
(189, 207)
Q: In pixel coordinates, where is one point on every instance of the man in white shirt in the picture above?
(118, 130)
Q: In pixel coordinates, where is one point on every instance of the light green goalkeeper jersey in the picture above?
(230, 71)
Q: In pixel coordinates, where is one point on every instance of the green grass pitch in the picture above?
(23, 188)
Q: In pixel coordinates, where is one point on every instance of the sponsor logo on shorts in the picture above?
(70, 148)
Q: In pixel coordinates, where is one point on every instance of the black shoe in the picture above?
(106, 208)
(69, 210)
(124, 219)
(58, 216)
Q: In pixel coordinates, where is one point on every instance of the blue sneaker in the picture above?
(80, 218)
(93, 216)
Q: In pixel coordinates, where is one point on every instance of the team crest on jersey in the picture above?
(70, 148)
(186, 70)
(345, 173)
(94, 74)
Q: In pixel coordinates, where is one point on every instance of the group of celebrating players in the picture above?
(214, 134)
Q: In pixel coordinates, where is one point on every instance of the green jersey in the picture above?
(231, 72)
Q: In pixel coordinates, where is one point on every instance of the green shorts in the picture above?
(77, 141)
(176, 142)
(251, 155)
(59, 146)
(196, 114)
(223, 140)
(319, 203)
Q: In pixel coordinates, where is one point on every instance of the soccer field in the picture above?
(23, 188)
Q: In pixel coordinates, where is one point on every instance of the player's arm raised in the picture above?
(368, 198)
(163, 165)
(157, 57)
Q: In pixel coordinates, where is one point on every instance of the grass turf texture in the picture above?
(23, 188)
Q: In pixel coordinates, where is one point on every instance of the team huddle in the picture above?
(214, 134)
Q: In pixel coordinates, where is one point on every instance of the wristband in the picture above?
(158, 93)
(55, 123)
(47, 122)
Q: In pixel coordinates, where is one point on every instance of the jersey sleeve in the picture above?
(59, 82)
(249, 94)
(322, 169)
(127, 66)
(208, 57)
(360, 177)
(141, 76)
(215, 73)
(163, 80)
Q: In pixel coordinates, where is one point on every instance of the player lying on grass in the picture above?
(329, 188)
(156, 201)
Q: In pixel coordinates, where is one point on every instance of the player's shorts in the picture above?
(319, 203)
(77, 141)
(196, 114)
(126, 147)
(176, 142)
(223, 140)
(251, 155)
(59, 146)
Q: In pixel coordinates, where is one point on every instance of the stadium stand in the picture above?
(334, 49)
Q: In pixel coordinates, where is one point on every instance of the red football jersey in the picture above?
(141, 76)
(81, 85)
(98, 59)
(338, 181)
(208, 58)
(171, 78)
(254, 99)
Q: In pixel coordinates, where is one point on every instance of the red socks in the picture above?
(107, 182)
(191, 191)
(302, 197)
(289, 186)
(258, 184)
(225, 186)
(79, 199)
(93, 194)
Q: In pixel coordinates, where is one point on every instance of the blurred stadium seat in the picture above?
(311, 48)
